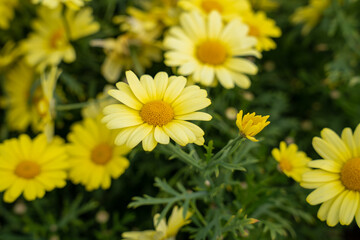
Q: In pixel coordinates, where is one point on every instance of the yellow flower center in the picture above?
(157, 113)
(350, 174)
(209, 5)
(27, 169)
(57, 38)
(211, 52)
(254, 31)
(285, 165)
(101, 154)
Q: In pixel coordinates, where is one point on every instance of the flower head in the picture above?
(262, 28)
(49, 44)
(251, 124)
(29, 102)
(155, 110)
(229, 9)
(120, 52)
(310, 15)
(93, 157)
(8, 54)
(291, 161)
(163, 231)
(31, 167)
(210, 51)
(336, 177)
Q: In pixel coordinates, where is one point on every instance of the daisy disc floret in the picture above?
(292, 163)
(155, 110)
(251, 124)
(93, 157)
(211, 51)
(31, 167)
(335, 177)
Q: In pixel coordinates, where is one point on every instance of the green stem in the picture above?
(171, 149)
(72, 106)
(228, 146)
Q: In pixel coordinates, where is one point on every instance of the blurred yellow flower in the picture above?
(93, 157)
(73, 4)
(28, 101)
(155, 110)
(81, 23)
(265, 5)
(120, 54)
(263, 29)
(291, 161)
(162, 231)
(31, 167)
(310, 15)
(49, 44)
(7, 12)
(229, 9)
(251, 124)
(209, 50)
(8, 54)
(336, 177)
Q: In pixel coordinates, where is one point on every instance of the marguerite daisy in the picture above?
(336, 177)
(291, 161)
(263, 29)
(209, 50)
(251, 124)
(93, 157)
(31, 166)
(155, 110)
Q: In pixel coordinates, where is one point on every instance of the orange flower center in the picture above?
(211, 52)
(157, 113)
(57, 38)
(101, 154)
(350, 174)
(210, 5)
(27, 169)
(254, 31)
(285, 165)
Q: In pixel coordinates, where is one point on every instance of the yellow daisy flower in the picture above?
(28, 102)
(162, 231)
(31, 167)
(310, 15)
(229, 9)
(155, 110)
(209, 51)
(336, 177)
(73, 4)
(93, 157)
(291, 161)
(251, 124)
(49, 44)
(262, 28)
(119, 55)
(8, 54)
(7, 12)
